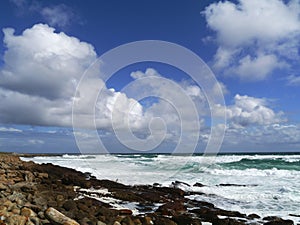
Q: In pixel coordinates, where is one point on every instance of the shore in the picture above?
(32, 194)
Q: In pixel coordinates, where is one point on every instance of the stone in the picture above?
(16, 220)
(43, 175)
(16, 211)
(125, 212)
(172, 208)
(55, 216)
(3, 187)
(8, 204)
(27, 212)
(29, 222)
(128, 221)
(69, 205)
(29, 176)
(41, 214)
(253, 216)
(35, 220)
(147, 220)
(164, 221)
(100, 223)
(279, 221)
(198, 185)
(60, 198)
(183, 219)
(40, 201)
(137, 221)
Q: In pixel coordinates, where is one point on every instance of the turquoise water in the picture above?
(264, 164)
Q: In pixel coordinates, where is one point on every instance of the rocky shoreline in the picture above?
(32, 194)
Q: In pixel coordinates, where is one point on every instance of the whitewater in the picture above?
(263, 184)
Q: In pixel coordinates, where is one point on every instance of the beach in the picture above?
(49, 194)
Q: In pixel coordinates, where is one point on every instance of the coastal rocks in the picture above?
(32, 194)
(274, 220)
(199, 185)
(57, 217)
(172, 208)
(16, 220)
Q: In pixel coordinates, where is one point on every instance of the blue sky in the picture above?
(252, 48)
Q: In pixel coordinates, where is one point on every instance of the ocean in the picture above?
(263, 184)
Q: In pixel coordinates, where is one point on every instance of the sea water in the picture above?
(261, 184)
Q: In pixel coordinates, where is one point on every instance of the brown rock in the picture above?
(128, 221)
(16, 220)
(27, 212)
(57, 217)
(183, 219)
(125, 212)
(69, 205)
(3, 187)
(29, 176)
(147, 220)
(101, 223)
(60, 198)
(8, 204)
(164, 221)
(16, 211)
(116, 223)
(43, 175)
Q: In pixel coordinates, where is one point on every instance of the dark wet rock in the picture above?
(253, 216)
(274, 220)
(164, 221)
(237, 185)
(294, 215)
(228, 221)
(70, 205)
(183, 219)
(172, 208)
(199, 185)
(176, 183)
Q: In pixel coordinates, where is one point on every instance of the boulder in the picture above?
(172, 208)
(57, 217)
(27, 212)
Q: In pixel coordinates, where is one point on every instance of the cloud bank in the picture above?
(42, 69)
(254, 37)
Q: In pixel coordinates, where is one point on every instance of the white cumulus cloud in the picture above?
(40, 75)
(248, 110)
(255, 37)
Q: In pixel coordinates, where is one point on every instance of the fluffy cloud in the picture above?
(43, 63)
(252, 111)
(255, 37)
(41, 71)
